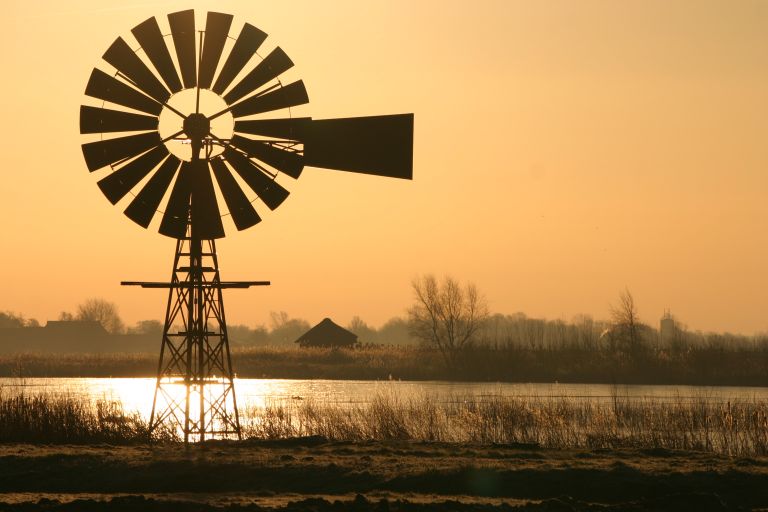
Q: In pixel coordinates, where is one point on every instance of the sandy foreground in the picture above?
(310, 474)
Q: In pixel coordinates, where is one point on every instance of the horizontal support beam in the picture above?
(185, 284)
(200, 269)
(181, 381)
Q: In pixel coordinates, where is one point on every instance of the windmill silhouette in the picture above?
(182, 176)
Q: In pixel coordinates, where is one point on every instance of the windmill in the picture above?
(203, 133)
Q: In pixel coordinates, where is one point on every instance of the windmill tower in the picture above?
(201, 133)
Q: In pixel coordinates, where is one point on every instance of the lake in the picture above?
(136, 394)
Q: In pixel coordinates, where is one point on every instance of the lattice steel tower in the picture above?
(212, 131)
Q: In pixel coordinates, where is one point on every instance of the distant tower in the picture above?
(667, 328)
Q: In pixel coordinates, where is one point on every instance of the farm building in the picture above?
(327, 334)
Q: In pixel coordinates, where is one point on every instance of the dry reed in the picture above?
(699, 365)
(737, 428)
(65, 419)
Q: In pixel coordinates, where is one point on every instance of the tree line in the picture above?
(476, 345)
(282, 329)
(454, 319)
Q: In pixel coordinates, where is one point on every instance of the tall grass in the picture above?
(734, 428)
(63, 419)
(697, 366)
(738, 428)
(75, 364)
(370, 362)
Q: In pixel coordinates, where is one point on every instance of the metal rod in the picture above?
(225, 340)
(221, 285)
(197, 360)
(166, 328)
(190, 341)
(199, 63)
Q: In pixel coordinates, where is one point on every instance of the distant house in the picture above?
(76, 328)
(69, 336)
(327, 334)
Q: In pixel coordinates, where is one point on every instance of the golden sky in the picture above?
(564, 150)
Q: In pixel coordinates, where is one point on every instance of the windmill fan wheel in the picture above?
(264, 142)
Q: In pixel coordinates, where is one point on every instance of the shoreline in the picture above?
(381, 363)
(23, 382)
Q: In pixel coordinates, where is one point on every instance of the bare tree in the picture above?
(284, 329)
(102, 311)
(446, 315)
(365, 333)
(395, 331)
(8, 319)
(626, 324)
(154, 327)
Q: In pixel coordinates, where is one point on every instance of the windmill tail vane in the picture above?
(209, 88)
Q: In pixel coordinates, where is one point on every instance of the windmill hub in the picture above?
(197, 126)
(187, 102)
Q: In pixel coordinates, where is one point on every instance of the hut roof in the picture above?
(75, 326)
(327, 334)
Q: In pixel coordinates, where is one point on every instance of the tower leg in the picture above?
(195, 389)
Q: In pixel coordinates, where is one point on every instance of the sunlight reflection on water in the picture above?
(136, 394)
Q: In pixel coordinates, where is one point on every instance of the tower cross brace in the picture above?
(195, 389)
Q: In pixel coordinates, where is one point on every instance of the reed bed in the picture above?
(699, 365)
(49, 418)
(736, 428)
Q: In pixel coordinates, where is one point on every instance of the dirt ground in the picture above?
(311, 474)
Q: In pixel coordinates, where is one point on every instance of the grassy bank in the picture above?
(693, 366)
(734, 428)
(372, 362)
(377, 362)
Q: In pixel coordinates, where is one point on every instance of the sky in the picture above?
(564, 151)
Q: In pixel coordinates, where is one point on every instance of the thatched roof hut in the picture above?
(327, 334)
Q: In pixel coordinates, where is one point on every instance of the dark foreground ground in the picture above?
(313, 475)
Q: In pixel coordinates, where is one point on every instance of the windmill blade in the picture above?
(290, 95)
(129, 64)
(104, 152)
(120, 182)
(216, 32)
(273, 65)
(246, 45)
(147, 201)
(289, 129)
(174, 223)
(243, 213)
(151, 39)
(379, 145)
(183, 33)
(102, 120)
(283, 160)
(108, 88)
(265, 187)
(206, 219)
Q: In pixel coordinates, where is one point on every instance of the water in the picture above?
(136, 394)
